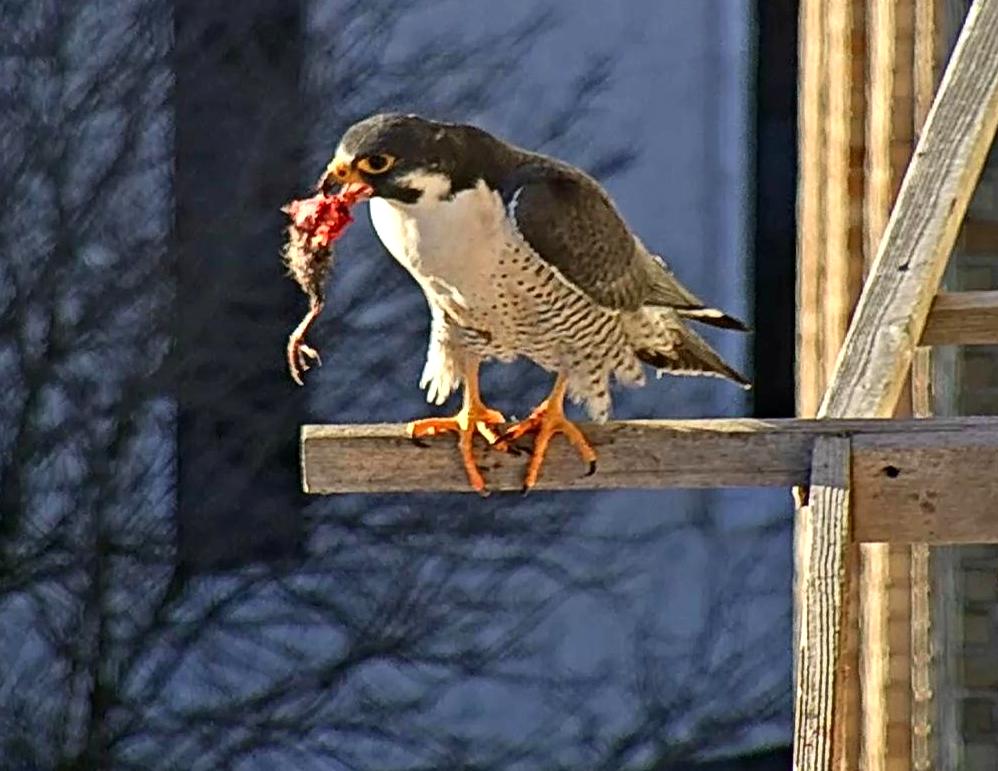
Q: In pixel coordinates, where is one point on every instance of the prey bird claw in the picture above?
(300, 358)
(316, 223)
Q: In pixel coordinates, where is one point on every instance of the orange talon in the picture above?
(474, 418)
(544, 422)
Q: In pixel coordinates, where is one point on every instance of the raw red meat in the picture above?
(316, 223)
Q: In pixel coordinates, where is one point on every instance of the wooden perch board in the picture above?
(934, 473)
(963, 318)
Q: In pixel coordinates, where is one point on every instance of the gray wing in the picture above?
(570, 222)
(668, 292)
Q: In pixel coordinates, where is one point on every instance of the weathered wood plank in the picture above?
(874, 363)
(937, 730)
(636, 453)
(935, 489)
(830, 214)
(885, 716)
(834, 154)
(894, 306)
(913, 480)
(922, 655)
(826, 720)
(963, 318)
(812, 251)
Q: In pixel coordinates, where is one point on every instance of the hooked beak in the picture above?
(341, 171)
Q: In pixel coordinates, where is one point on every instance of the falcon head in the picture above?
(409, 159)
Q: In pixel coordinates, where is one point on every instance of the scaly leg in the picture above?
(544, 422)
(474, 417)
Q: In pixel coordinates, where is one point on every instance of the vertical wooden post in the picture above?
(824, 711)
(935, 630)
(885, 576)
(812, 368)
(870, 373)
(926, 69)
(877, 351)
(830, 271)
(832, 156)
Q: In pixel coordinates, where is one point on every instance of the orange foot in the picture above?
(474, 418)
(544, 422)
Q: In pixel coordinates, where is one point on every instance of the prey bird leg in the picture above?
(300, 355)
(316, 223)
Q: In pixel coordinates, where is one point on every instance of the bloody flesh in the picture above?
(316, 223)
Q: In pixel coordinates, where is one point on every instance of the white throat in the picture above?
(440, 236)
(433, 187)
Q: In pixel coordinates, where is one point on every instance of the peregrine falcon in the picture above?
(520, 254)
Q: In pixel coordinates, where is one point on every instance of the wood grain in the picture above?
(688, 453)
(937, 489)
(922, 229)
(923, 722)
(833, 175)
(927, 367)
(963, 318)
(934, 732)
(812, 252)
(883, 591)
(873, 365)
(825, 709)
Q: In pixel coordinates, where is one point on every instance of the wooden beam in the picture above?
(830, 214)
(922, 655)
(874, 364)
(936, 489)
(931, 380)
(738, 452)
(912, 480)
(883, 581)
(825, 712)
(812, 373)
(831, 259)
(889, 126)
(922, 229)
(963, 318)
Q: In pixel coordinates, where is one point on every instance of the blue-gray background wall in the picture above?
(168, 598)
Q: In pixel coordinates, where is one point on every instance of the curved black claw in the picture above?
(418, 442)
(592, 468)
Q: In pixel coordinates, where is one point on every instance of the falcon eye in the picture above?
(376, 164)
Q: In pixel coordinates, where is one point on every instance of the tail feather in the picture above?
(713, 317)
(689, 354)
(666, 291)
